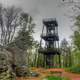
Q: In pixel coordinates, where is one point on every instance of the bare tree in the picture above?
(9, 21)
(74, 5)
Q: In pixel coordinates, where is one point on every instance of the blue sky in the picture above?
(40, 9)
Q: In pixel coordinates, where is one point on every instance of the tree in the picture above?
(75, 7)
(66, 53)
(24, 40)
(76, 36)
(76, 40)
(9, 21)
(33, 54)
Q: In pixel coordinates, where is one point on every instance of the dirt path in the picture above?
(43, 73)
(72, 76)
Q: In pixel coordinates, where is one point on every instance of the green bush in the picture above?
(75, 69)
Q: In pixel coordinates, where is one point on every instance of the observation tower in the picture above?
(51, 39)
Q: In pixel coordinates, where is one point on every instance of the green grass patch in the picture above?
(55, 78)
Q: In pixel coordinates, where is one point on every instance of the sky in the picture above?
(40, 9)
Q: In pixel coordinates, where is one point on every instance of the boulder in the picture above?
(6, 72)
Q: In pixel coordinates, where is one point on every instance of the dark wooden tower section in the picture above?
(51, 40)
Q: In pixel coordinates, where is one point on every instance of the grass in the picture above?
(55, 78)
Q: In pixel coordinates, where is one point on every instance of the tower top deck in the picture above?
(50, 22)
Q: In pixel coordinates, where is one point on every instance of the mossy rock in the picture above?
(22, 71)
(7, 75)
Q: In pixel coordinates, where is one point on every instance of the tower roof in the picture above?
(50, 22)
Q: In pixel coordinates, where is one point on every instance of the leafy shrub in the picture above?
(75, 69)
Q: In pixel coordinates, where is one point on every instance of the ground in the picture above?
(45, 72)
